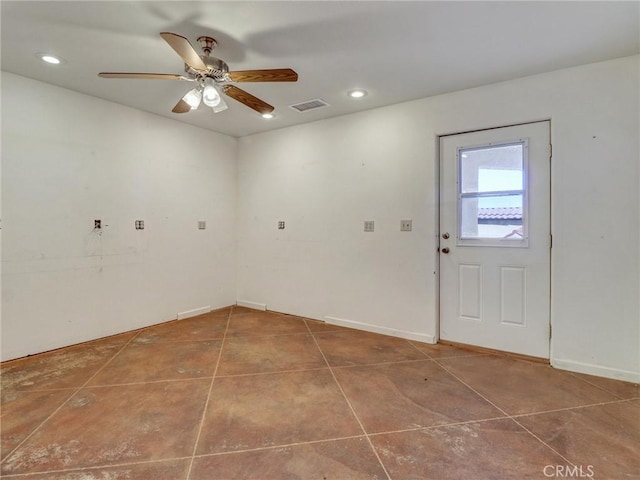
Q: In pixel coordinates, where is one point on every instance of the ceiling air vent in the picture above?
(309, 105)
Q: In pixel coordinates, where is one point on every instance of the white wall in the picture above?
(68, 159)
(325, 178)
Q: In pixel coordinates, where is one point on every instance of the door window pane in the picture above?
(491, 196)
(496, 217)
(492, 169)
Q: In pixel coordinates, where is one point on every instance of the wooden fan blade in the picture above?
(248, 99)
(183, 48)
(146, 76)
(181, 107)
(273, 75)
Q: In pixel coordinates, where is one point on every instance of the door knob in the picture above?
(445, 250)
(445, 235)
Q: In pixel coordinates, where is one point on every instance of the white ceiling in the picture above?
(398, 51)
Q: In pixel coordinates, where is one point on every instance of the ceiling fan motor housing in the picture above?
(207, 44)
(216, 67)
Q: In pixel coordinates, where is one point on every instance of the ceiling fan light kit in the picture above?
(212, 77)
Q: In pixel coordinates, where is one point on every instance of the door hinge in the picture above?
(549, 331)
(550, 151)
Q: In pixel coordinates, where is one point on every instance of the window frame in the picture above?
(494, 242)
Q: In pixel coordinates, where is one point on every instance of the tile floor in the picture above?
(241, 394)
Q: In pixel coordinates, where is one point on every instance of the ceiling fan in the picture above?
(212, 77)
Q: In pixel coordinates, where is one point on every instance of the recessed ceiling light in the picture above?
(359, 93)
(268, 116)
(45, 57)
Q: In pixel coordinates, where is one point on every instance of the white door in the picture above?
(495, 238)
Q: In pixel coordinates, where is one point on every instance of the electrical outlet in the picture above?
(202, 225)
(369, 225)
(405, 225)
(139, 224)
(97, 224)
(281, 225)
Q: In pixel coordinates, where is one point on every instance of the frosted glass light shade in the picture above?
(222, 105)
(210, 95)
(193, 98)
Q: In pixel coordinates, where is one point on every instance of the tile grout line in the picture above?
(206, 403)
(382, 364)
(423, 353)
(42, 390)
(150, 382)
(75, 391)
(311, 369)
(482, 420)
(216, 454)
(94, 467)
(573, 374)
(566, 409)
(506, 414)
(542, 441)
(276, 447)
(276, 372)
(442, 425)
(244, 337)
(344, 395)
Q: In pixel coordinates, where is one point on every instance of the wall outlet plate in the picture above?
(202, 225)
(369, 225)
(405, 225)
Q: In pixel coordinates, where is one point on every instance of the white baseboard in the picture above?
(597, 370)
(254, 305)
(419, 337)
(194, 312)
